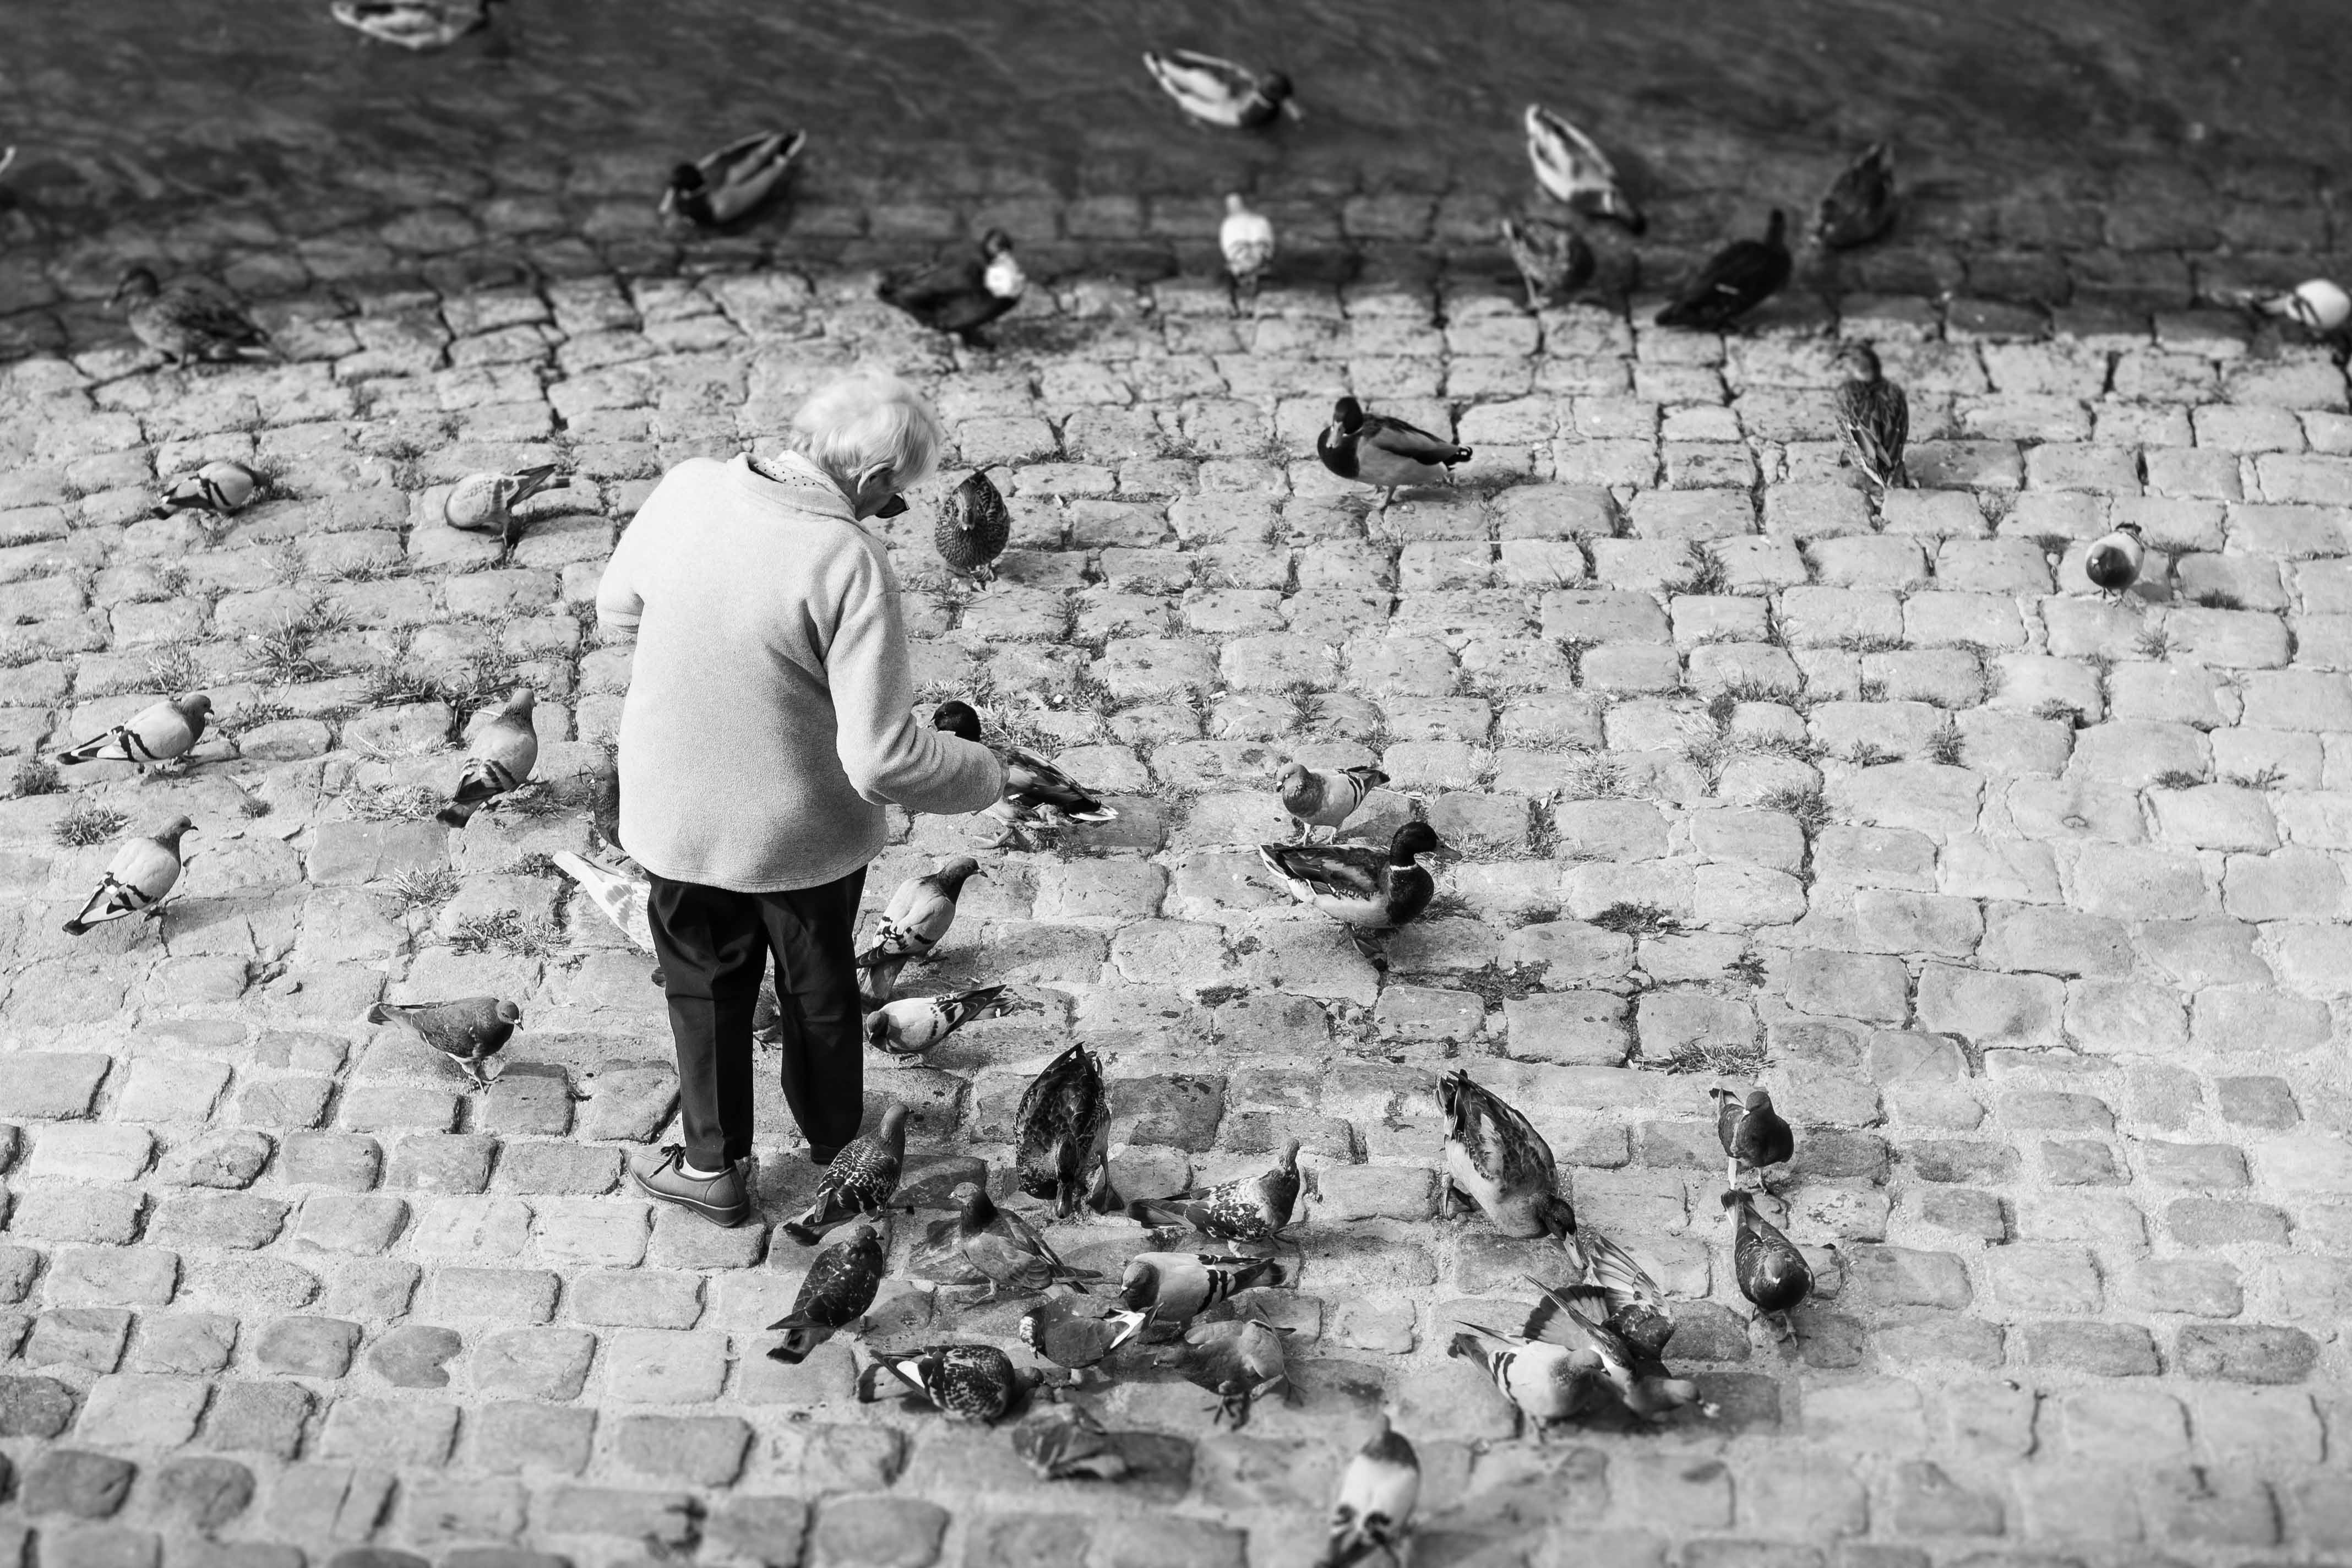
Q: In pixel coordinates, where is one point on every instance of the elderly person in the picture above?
(767, 723)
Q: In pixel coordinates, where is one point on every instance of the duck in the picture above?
(1547, 1383)
(220, 487)
(913, 1024)
(1365, 888)
(160, 733)
(413, 24)
(1240, 1360)
(1068, 1443)
(838, 1287)
(1552, 258)
(141, 872)
(1859, 205)
(1248, 1208)
(919, 912)
(500, 757)
(1079, 1336)
(729, 184)
(1735, 280)
(1219, 92)
(621, 894)
(1036, 793)
(1246, 237)
(2114, 562)
(485, 503)
(1571, 166)
(1874, 417)
(468, 1031)
(1752, 1133)
(972, 528)
(963, 1381)
(2317, 305)
(1641, 1382)
(1174, 1288)
(1494, 1154)
(862, 1179)
(1007, 1248)
(1770, 1272)
(1384, 453)
(960, 295)
(1316, 797)
(190, 320)
(1061, 1135)
(1374, 1506)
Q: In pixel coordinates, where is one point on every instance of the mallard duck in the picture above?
(1317, 798)
(1735, 280)
(974, 527)
(1571, 166)
(862, 1179)
(963, 1383)
(960, 295)
(190, 318)
(220, 485)
(413, 24)
(1061, 1135)
(498, 759)
(1552, 258)
(1859, 205)
(2114, 560)
(1752, 1134)
(1874, 417)
(1035, 791)
(1219, 92)
(726, 185)
(1363, 888)
(1240, 1360)
(623, 895)
(1384, 453)
(468, 1032)
(1770, 1272)
(1174, 1288)
(1068, 1443)
(1078, 1335)
(2317, 305)
(1374, 1508)
(159, 732)
(913, 1024)
(485, 503)
(1495, 1155)
(142, 870)
(1007, 1249)
(1548, 1383)
(835, 1292)
(919, 912)
(1247, 239)
(1248, 1208)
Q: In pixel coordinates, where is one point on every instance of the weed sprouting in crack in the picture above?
(87, 823)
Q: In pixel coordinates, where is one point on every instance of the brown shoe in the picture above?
(721, 1199)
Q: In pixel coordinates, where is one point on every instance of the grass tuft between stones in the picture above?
(88, 823)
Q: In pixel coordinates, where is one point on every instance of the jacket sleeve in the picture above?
(889, 757)
(619, 605)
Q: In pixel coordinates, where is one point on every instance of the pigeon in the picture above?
(920, 913)
(1735, 280)
(220, 485)
(960, 295)
(2114, 562)
(1552, 258)
(1240, 1360)
(2317, 305)
(1061, 1135)
(1250, 1208)
(1077, 1336)
(877, 984)
(1496, 1155)
(1752, 1134)
(1641, 1383)
(1362, 886)
(413, 24)
(1219, 92)
(1247, 239)
(835, 1293)
(1007, 1249)
(499, 759)
(914, 1025)
(622, 895)
(1874, 417)
(1384, 453)
(1319, 799)
(862, 1179)
(1859, 205)
(723, 186)
(1574, 169)
(1175, 1288)
(1549, 1383)
(974, 528)
(1374, 1508)
(468, 1032)
(1636, 1308)
(485, 503)
(1068, 1443)
(1035, 791)
(190, 318)
(1769, 1270)
(140, 873)
(159, 732)
(964, 1383)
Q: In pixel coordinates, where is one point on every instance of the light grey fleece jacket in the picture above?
(768, 716)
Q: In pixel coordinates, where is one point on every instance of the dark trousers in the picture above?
(714, 945)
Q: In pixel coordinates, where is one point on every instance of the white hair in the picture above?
(868, 417)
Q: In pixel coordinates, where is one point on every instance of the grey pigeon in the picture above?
(468, 1032)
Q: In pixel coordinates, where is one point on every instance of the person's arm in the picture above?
(889, 757)
(619, 605)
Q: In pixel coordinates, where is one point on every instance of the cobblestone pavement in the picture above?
(2029, 904)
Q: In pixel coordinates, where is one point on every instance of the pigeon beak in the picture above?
(891, 508)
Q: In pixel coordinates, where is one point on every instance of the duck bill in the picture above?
(1290, 108)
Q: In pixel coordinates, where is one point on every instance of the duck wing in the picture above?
(1860, 203)
(1736, 279)
(1033, 783)
(1411, 442)
(928, 292)
(1499, 1140)
(1344, 873)
(1204, 85)
(1876, 418)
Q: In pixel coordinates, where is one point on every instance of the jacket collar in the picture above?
(794, 480)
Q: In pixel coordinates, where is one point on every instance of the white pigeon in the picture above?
(621, 894)
(2318, 304)
(500, 758)
(220, 485)
(413, 24)
(1247, 239)
(485, 503)
(159, 733)
(142, 872)
(913, 1024)
(1376, 1492)
(918, 913)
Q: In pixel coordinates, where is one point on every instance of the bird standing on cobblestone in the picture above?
(159, 732)
(220, 485)
(1495, 1155)
(1552, 258)
(1068, 1443)
(1769, 1270)
(468, 1032)
(1240, 1360)
(1006, 1247)
(1248, 1208)
(1365, 888)
(919, 912)
(965, 1382)
(1735, 280)
(190, 318)
(1859, 205)
(1374, 1508)
(485, 503)
(1035, 791)
(500, 758)
(1874, 417)
(413, 24)
(1247, 239)
(1078, 1335)
(862, 1179)
(1219, 92)
(1384, 453)
(1175, 1288)
(913, 1024)
(1640, 1381)
(960, 295)
(140, 873)
(2317, 305)
(1571, 166)
(1549, 1383)
(839, 1286)
(1317, 798)
(1061, 1135)
(2114, 562)
(1752, 1133)
(974, 527)
(723, 186)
